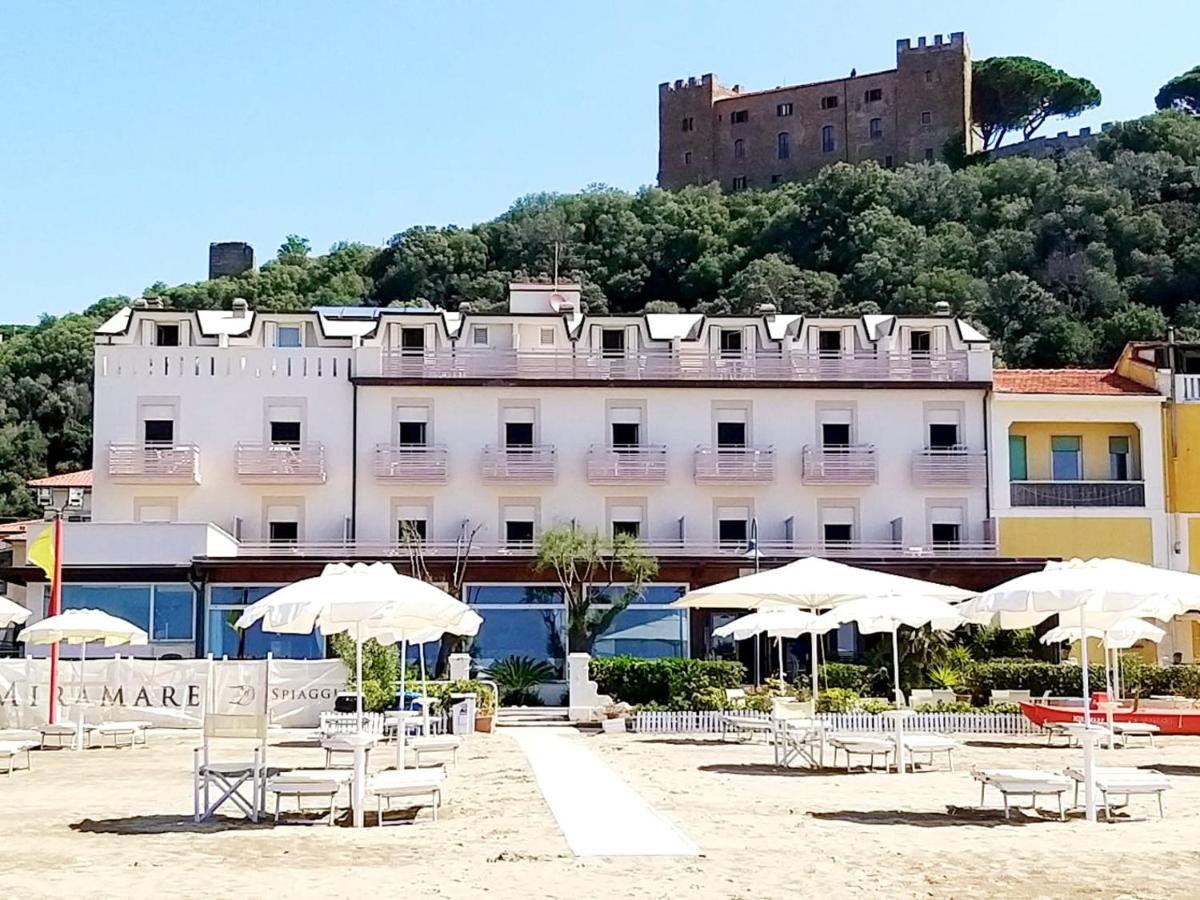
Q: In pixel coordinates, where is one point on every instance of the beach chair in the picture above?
(64, 734)
(1124, 782)
(227, 715)
(1010, 697)
(304, 783)
(128, 734)
(862, 745)
(929, 744)
(339, 745)
(920, 697)
(1125, 731)
(12, 751)
(407, 785)
(434, 745)
(736, 698)
(799, 739)
(1031, 783)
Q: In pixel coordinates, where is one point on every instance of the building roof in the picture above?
(1065, 381)
(82, 478)
(10, 530)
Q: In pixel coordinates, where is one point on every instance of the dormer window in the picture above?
(612, 342)
(166, 335)
(920, 343)
(731, 342)
(287, 336)
(829, 342)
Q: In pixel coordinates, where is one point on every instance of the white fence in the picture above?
(709, 721)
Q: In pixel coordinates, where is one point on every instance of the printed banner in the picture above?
(169, 693)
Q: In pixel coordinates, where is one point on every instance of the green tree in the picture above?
(294, 250)
(599, 577)
(1010, 93)
(1182, 93)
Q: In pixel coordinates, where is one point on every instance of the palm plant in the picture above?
(518, 678)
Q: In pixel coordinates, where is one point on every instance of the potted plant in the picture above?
(485, 708)
(613, 718)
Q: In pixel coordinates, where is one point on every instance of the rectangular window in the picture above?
(888, 162)
(829, 342)
(412, 340)
(1118, 459)
(943, 436)
(287, 336)
(626, 434)
(739, 183)
(874, 95)
(926, 118)
(1066, 462)
(732, 531)
(626, 528)
(410, 531)
(518, 532)
(875, 130)
(830, 102)
(784, 145)
(479, 336)
(740, 116)
(731, 341)
(687, 157)
(158, 431)
(783, 109)
(1018, 460)
(226, 603)
(835, 533)
(166, 335)
(412, 434)
(775, 179)
(518, 434)
(739, 149)
(689, 124)
(285, 432)
(827, 139)
(283, 532)
(928, 154)
(546, 336)
(945, 533)
(920, 342)
(731, 435)
(929, 76)
(835, 434)
(612, 342)
(173, 614)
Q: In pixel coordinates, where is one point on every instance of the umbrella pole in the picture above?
(782, 677)
(79, 698)
(424, 693)
(1089, 746)
(896, 665)
(358, 673)
(815, 691)
(402, 726)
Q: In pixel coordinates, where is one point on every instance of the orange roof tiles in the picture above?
(1065, 381)
(82, 478)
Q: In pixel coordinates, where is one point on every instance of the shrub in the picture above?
(671, 683)
(848, 676)
(519, 677)
(1065, 680)
(485, 696)
(380, 667)
(838, 700)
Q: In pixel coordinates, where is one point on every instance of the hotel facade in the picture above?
(236, 451)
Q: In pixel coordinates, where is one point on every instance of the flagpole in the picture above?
(55, 609)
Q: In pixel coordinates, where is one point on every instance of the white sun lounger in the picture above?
(743, 725)
(409, 785)
(1122, 782)
(304, 783)
(127, 734)
(11, 751)
(1031, 783)
(861, 745)
(339, 744)
(927, 745)
(63, 733)
(434, 744)
(1126, 730)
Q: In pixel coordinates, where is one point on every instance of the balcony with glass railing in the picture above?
(413, 463)
(949, 467)
(849, 464)
(280, 463)
(734, 465)
(535, 464)
(154, 463)
(607, 464)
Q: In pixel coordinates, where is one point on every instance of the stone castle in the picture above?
(753, 139)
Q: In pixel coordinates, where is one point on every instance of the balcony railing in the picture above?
(411, 462)
(1077, 493)
(1187, 388)
(852, 464)
(733, 465)
(536, 464)
(626, 465)
(154, 463)
(949, 467)
(732, 552)
(666, 364)
(269, 463)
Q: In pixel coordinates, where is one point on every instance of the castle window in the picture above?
(827, 139)
(775, 179)
(783, 109)
(830, 102)
(740, 116)
(926, 118)
(687, 157)
(874, 95)
(888, 162)
(876, 129)
(739, 183)
(928, 154)
(689, 124)
(739, 149)
(929, 76)
(784, 143)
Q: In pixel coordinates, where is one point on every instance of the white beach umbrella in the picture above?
(83, 627)
(812, 583)
(12, 613)
(776, 622)
(874, 615)
(1119, 636)
(1094, 592)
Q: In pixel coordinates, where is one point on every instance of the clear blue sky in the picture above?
(137, 132)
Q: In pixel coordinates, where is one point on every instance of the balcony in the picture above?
(267, 463)
(666, 364)
(949, 467)
(852, 464)
(1077, 493)
(416, 463)
(626, 465)
(1187, 388)
(735, 465)
(537, 464)
(154, 463)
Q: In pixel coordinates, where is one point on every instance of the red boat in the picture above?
(1170, 720)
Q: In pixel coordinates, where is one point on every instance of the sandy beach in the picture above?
(105, 822)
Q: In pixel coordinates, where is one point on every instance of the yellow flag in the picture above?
(41, 551)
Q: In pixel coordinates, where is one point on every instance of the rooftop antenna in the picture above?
(556, 246)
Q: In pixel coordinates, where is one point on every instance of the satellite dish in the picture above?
(556, 301)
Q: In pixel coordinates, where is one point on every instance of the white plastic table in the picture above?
(898, 716)
(359, 743)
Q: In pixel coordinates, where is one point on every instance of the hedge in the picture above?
(681, 684)
(1138, 678)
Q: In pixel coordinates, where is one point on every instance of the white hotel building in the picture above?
(237, 450)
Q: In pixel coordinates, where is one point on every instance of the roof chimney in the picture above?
(941, 308)
(239, 307)
(767, 310)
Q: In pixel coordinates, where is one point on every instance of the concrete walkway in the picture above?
(597, 812)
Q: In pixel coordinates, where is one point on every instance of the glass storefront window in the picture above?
(166, 612)
(514, 594)
(254, 643)
(174, 613)
(646, 633)
(649, 595)
(537, 633)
